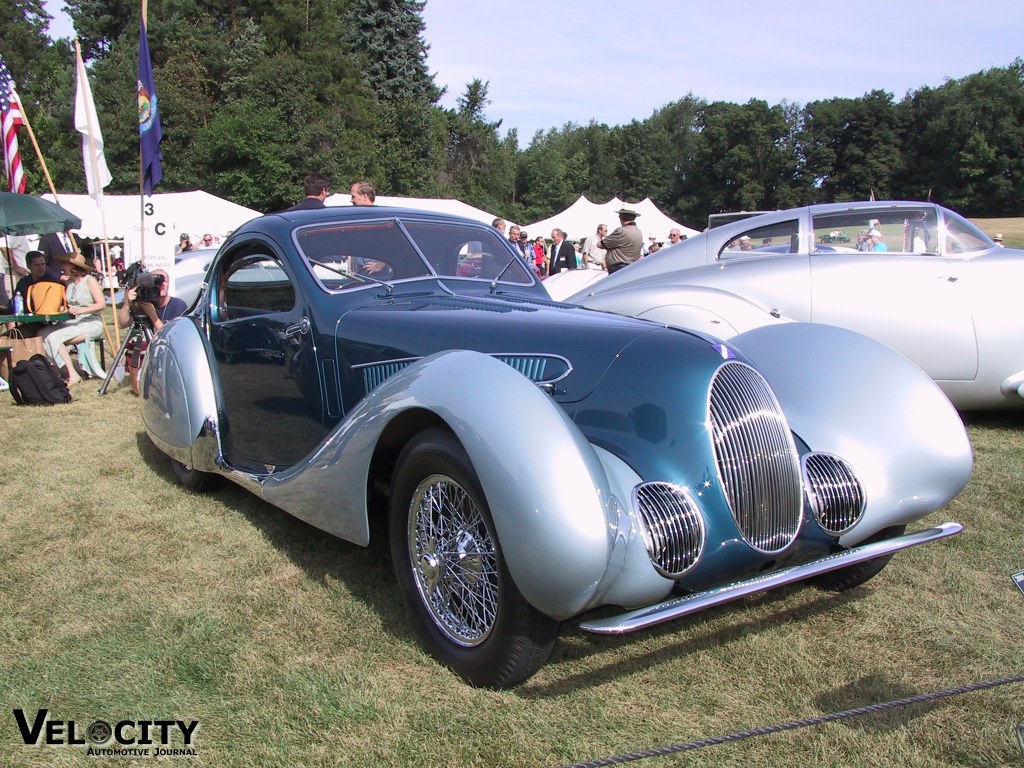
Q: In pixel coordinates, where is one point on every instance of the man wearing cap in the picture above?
(998, 239)
(877, 243)
(623, 245)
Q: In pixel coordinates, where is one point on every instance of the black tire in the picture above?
(466, 608)
(194, 480)
(855, 575)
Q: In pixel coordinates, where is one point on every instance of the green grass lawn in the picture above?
(124, 597)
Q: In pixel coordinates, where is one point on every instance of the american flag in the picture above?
(10, 119)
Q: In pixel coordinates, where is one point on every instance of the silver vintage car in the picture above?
(915, 276)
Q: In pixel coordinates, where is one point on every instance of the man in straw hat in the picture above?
(623, 245)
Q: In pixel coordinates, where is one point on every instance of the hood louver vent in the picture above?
(540, 369)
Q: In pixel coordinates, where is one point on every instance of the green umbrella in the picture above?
(31, 215)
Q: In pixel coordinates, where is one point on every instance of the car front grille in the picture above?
(674, 528)
(756, 458)
(834, 493)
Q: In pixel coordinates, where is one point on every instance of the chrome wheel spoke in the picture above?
(454, 560)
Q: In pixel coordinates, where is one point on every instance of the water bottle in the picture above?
(19, 304)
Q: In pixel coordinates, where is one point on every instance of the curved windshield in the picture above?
(963, 237)
(347, 255)
(456, 250)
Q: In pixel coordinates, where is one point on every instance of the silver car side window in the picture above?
(781, 237)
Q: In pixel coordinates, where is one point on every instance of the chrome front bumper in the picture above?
(699, 601)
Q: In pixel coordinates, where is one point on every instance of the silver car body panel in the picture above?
(954, 313)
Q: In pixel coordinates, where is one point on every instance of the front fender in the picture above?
(545, 485)
(846, 394)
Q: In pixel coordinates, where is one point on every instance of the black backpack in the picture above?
(37, 381)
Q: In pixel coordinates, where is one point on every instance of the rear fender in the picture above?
(846, 394)
(179, 404)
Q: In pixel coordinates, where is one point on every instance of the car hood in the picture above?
(668, 262)
(567, 347)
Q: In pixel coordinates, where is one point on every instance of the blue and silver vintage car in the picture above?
(535, 460)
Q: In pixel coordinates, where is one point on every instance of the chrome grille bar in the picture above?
(834, 493)
(674, 527)
(755, 456)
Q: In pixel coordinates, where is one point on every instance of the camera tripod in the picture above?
(139, 332)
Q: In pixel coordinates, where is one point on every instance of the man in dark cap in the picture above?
(623, 245)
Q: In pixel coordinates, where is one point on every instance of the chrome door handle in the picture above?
(300, 327)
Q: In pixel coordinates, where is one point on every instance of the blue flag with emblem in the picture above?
(150, 134)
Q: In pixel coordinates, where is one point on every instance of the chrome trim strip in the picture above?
(677, 607)
(530, 365)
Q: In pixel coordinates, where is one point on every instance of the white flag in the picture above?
(86, 123)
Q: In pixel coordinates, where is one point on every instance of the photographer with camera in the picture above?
(147, 302)
(146, 298)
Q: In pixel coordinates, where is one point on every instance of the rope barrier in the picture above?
(792, 725)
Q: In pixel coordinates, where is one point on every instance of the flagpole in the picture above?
(42, 164)
(142, 168)
(80, 70)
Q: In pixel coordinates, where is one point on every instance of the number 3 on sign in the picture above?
(149, 209)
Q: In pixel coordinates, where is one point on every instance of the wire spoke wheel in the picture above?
(453, 560)
(451, 570)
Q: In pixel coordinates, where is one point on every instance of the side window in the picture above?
(253, 284)
(782, 237)
(873, 230)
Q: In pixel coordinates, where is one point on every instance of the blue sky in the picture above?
(559, 61)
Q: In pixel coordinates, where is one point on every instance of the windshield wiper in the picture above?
(355, 275)
(494, 282)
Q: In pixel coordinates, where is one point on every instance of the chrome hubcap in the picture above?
(454, 562)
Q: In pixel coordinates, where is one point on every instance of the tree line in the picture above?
(255, 94)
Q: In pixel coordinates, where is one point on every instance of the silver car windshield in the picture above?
(963, 237)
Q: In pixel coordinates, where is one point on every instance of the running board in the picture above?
(699, 601)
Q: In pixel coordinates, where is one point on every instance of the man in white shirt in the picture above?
(593, 256)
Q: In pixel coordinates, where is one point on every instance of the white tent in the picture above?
(165, 216)
(436, 204)
(581, 218)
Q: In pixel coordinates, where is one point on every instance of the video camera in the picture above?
(146, 283)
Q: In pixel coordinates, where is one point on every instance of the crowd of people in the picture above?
(601, 250)
(65, 276)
